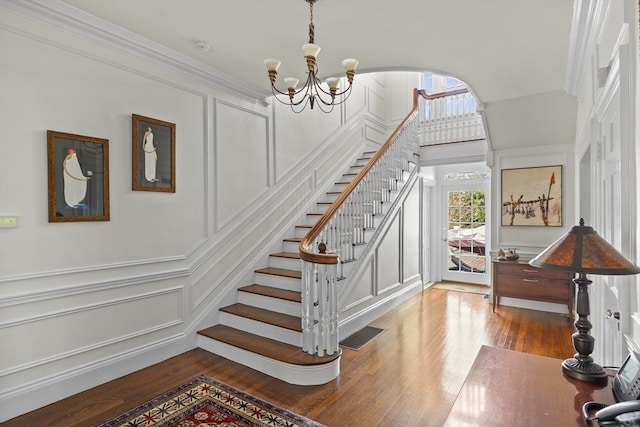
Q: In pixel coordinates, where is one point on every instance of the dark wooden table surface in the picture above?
(510, 388)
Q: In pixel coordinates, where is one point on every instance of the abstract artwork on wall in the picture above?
(532, 196)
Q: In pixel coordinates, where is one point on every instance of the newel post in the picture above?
(319, 307)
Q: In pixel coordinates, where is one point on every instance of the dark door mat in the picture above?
(360, 338)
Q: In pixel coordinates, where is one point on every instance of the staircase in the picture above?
(286, 323)
(263, 329)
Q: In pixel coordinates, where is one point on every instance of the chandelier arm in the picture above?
(318, 97)
(305, 87)
(321, 103)
(337, 93)
(277, 91)
(288, 102)
(293, 105)
(347, 91)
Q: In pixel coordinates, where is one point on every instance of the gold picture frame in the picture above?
(532, 196)
(78, 177)
(154, 155)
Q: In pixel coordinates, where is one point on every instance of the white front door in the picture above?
(465, 222)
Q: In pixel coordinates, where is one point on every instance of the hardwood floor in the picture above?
(409, 375)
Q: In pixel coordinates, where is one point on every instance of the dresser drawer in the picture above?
(506, 267)
(536, 288)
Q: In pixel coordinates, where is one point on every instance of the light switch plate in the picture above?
(9, 221)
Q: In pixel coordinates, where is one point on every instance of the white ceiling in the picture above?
(503, 49)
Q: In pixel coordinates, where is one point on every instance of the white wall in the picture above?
(85, 302)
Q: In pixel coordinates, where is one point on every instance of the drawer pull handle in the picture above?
(530, 280)
(529, 271)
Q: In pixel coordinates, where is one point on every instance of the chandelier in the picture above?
(313, 89)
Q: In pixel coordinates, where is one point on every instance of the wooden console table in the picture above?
(510, 388)
(517, 279)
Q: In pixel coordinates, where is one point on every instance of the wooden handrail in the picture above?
(332, 258)
(445, 94)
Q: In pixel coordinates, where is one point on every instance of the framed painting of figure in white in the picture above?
(154, 155)
(78, 173)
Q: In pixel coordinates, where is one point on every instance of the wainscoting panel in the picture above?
(241, 151)
(363, 289)
(411, 234)
(388, 257)
(376, 104)
(115, 321)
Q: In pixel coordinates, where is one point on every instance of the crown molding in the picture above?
(65, 17)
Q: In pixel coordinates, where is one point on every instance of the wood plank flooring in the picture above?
(409, 375)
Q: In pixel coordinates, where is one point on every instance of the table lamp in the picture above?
(581, 250)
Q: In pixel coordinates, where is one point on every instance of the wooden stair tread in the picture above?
(269, 291)
(269, 317)
(293, 239)
(266, 347)
(293, 274)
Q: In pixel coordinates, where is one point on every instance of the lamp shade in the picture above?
(272, 64)
(582, 250)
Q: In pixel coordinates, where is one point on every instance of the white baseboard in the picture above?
(37, 394)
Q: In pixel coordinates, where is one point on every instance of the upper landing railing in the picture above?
(449, 117)
(342, 227)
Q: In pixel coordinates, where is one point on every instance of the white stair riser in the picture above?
(287, 263)
(301, 232)
(274, 304)
(291, 247)
(278, 281)
(292, 374)
(263, 329)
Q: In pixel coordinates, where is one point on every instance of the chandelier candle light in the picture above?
(313, 89)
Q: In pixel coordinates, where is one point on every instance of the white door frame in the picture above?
(442, 246)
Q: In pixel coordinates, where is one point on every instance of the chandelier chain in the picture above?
(311, 26)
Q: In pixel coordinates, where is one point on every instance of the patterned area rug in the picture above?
(205, 402)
